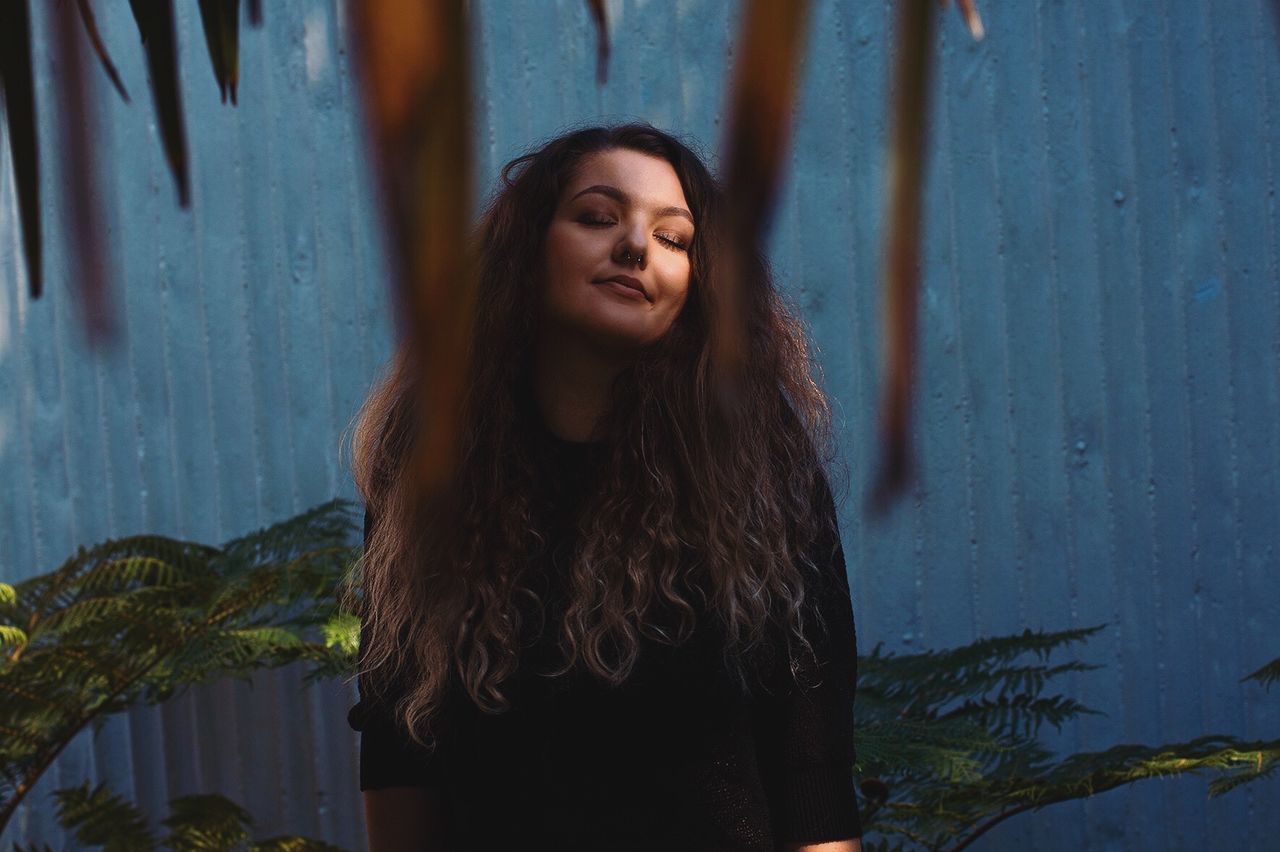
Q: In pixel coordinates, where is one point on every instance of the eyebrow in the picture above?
(621, 197)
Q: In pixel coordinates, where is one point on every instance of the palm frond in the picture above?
(221, 21)
(95, 39)
(18, 89)
(160, 43)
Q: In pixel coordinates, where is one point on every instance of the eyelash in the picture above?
(675, 245)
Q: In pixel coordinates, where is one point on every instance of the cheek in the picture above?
(558, 264)
(567, 266)
(676, 282)
(554, 253)
(570, 250)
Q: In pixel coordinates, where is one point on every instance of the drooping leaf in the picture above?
(221, 21)
(900, 278)
(969, 11)
(76, 120)
(762, 95)
(413, 64)
(159, 39)
(596, 7)
(91, 29)
(20, 115)
(910, 95)
(255, 12)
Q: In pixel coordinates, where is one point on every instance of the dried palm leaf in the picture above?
(969, 11)
(757, 138)
(413, 63)
(900, 280)
(602, 39)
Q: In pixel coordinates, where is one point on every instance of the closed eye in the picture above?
(674, 244)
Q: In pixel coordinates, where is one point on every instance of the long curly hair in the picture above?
(696, 511)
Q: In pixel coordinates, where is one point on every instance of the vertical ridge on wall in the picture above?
(1196, 215)
(949, 580)
(1257, 368)
(1170, 487)
(1127, 426)
(1239, 141)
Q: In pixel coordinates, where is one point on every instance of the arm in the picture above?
(400, 779)
(854, 845)
(806, 731)
(404, 819)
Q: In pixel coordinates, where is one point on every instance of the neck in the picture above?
(571, 384)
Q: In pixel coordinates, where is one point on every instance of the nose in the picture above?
(630, 249)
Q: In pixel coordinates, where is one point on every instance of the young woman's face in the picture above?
(625, 214)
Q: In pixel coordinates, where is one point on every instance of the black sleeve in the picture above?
(806, 733)
(388, 756)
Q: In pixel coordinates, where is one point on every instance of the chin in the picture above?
(608, 332)
(619, 339)
(608, 322)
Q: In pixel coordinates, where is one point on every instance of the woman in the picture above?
(628, 626)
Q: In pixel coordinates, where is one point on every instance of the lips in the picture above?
(626, 281)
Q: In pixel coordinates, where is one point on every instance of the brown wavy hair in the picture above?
(697, 509)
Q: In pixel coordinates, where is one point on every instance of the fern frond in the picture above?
(328, 524)
(99, 817)
(137, 619)
(1251, 765)
(205, 822)
(1267, 675)
(1020, 715)
(931, 681)
(12, 637)
(983, 652)
(945, 749)
(293, 844)
(342, 631)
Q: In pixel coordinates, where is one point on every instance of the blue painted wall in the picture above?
(1099, 422)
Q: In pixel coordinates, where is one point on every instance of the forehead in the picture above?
(649, 180)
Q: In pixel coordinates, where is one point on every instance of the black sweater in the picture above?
(677, 758)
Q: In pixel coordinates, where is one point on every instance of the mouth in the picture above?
(626, 285)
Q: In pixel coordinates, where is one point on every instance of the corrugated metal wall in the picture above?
(1098, 425)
